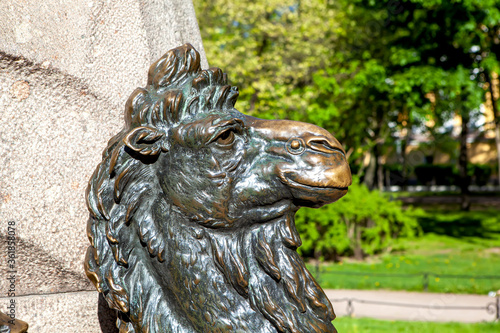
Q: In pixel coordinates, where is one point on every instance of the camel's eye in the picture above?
(225, 133)
(226, 138)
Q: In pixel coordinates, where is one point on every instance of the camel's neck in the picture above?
(197, 288)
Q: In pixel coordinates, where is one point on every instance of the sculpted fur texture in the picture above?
(192, 210)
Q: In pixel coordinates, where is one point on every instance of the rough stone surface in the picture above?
(67, 312)
(66, 70)
(39, 272)
(50, 142)
(108, 44)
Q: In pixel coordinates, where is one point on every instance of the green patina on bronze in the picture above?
(192, 210)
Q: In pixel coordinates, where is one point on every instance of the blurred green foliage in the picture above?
(362, 223)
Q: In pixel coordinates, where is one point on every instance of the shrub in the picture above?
(481, 173)
(395, 172)
(424, 173)
(363, 222)
(442, 174)
(446, 174)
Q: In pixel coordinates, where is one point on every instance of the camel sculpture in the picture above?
(192, 210)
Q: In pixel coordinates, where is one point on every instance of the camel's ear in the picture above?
(146, 141)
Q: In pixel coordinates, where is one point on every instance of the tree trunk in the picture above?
(380, 171)
(358, 251)
(371, 169)
(404, 145)
(496, 117)
(497, 143)
(463, 162)
(374, 176)
(387, 176)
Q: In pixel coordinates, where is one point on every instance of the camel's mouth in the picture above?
(316, 178)
(314, 196)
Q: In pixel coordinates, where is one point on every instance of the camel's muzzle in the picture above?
(313, 163)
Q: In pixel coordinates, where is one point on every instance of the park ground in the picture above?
(457, 255)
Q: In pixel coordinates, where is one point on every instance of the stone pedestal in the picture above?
(66, 70)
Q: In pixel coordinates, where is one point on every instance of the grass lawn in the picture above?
(457, 243)
(365, 325)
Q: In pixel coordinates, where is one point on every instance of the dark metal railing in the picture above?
(490, 308)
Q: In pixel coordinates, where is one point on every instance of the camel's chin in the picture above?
(314, 196)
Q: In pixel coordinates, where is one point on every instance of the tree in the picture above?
(270, 49)
(424, 47)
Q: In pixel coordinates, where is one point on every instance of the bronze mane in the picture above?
(192, 210)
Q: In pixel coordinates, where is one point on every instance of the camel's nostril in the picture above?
(297, 145)
(325, 146)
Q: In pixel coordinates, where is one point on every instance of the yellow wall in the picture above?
(483, 153)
